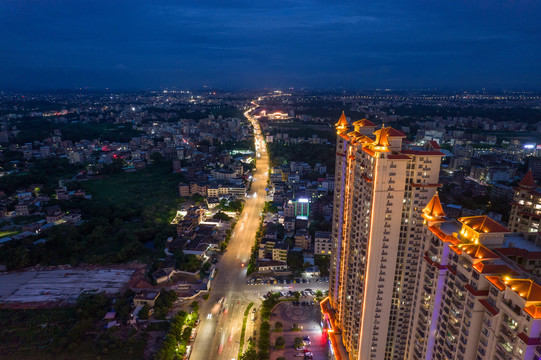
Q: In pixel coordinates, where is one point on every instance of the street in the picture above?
(220, 328)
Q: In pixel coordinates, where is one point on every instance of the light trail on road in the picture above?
(230, 280)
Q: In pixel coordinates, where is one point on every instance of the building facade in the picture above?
(526, 206)
(380, 189)
(474, 300)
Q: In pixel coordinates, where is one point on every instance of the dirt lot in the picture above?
(60, 285)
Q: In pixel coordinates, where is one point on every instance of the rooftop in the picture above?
(483, 224)
(478, 251)
(526, 288)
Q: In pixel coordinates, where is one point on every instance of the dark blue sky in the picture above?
(232, 44)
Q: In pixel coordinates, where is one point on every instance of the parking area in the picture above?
(260, 280)
(305, 316)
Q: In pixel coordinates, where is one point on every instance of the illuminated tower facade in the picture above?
(526, 206)
(380, 189)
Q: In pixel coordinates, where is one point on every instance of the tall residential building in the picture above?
(380, 189)
(474, 298)
(526, 206)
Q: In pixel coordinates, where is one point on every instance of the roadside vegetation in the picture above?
(252, 266)
(178, 336)
(243, 331)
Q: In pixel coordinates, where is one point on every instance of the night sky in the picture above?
(253, 44)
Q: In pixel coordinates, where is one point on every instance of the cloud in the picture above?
(307, 42)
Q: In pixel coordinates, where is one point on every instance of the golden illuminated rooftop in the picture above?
(364, 122)
(433, 210)
(526, 288)
(483, 224)
(478, 251)
(534, 311)
(382, 137)
(342, 123)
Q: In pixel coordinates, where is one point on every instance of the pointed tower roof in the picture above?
(528, 181)
(342, 122)
(434, 210)
(382, 137)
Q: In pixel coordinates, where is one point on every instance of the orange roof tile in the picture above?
(496, 281)
(363, 122)
(478, 251)
(483, 224)
(342, 122)
(456, 249)
(443, 236)
(526, 288)
(483, 268)
(528, 180)
(363, 139)
(434, 208)
(534, 311)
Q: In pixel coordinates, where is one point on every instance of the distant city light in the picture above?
(303, 200)
(529, 146)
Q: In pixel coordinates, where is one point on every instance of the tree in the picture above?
(280, 342)
(322, 262)
(250, 354)
(195, 306)
(144, 312)
(186, 334)
(221, 216)
(295, 260)
(278, 326)
(318, 293)
(298, 342)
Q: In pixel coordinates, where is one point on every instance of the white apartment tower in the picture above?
(474, 299)
(381, 188)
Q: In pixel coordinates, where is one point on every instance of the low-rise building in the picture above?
(279, 251)
(146, 298)
(302, 239)
(272, 266)
(322, 243)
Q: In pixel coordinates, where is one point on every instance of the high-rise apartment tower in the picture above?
(381, 188)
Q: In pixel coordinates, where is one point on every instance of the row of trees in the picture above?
(178, 336)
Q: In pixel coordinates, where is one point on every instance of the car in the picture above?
(306, 337)
(300, 348)
(300, 355)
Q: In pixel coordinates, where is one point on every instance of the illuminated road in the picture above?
(220, 328)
